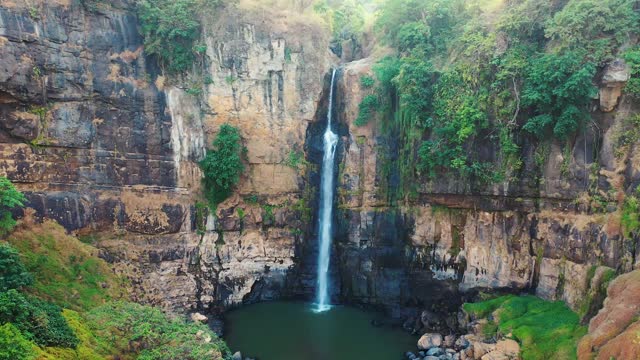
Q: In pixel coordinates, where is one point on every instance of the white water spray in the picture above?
(326, 209)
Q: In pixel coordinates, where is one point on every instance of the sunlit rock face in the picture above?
(102, 142)
(613, 332)
(105, 144)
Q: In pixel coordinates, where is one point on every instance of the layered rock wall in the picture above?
(541, 231)
(101, 141)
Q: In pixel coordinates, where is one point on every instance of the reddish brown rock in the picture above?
(614, 331)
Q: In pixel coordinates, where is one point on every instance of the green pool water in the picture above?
(292, 331)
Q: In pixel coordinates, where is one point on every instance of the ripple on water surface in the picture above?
(294, 331)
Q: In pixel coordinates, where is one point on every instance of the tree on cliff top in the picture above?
(222, 166)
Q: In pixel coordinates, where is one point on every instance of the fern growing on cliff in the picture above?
(222, 165)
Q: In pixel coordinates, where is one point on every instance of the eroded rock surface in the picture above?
(614, 333)
(101, 141)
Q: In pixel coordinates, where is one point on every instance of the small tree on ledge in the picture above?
(222, 165)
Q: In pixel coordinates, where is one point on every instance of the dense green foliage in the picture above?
(497, 72)
(37, 320)
(366, 109)
(171, 30)
(346, 19)
(9, 198)
(558, 88)
(223, 165)
(632, 57)
(544, 329)
(13, 273)
(630, 219)
(154, 336)
(13, 345)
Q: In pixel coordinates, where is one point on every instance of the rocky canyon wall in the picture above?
(540, 231)
(102, 142)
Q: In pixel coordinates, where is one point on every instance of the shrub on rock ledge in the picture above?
(222, 165)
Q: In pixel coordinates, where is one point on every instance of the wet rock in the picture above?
(237, 356)
(435, 351)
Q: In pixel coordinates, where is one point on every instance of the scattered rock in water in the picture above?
(237, 356)
(410, 355)
(429, 340)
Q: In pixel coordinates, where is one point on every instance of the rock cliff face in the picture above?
(614, 333)
(542, 231)
(103, 143)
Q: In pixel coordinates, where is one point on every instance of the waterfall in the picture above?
(325, 216)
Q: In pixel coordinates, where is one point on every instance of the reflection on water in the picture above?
(293, 331)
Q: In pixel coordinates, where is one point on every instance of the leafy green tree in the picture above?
(415, 85)
(10, 198)
(632, 57)
(594, 25)
(37, 320)
(409, 23)
(13, 345)
(558, 88)
(223, 165)
(366, 109)
(13, 274)
(171, 29)
(346, 20)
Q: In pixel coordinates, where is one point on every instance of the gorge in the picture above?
(401, 158)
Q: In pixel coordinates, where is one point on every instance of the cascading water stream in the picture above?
(325, 217)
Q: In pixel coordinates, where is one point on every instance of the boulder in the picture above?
(237, 356)
(481, 348)
(429, 340)
(435, 351)
(616, 75)
(449, 341)
(508, 347)
(613, 332)
(197, 317)
(461, 343)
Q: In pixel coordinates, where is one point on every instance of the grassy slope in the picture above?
(69, 273)
(545, 329)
